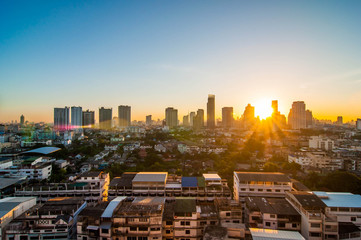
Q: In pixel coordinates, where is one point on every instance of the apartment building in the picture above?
(271, 213)
(260, 184)
(91, 186)
(55, 219)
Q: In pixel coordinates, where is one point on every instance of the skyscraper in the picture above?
(191, 118)
(297, 115)
(211, 109)
(171, 117)
(186, 120)
(275, 106)
(278, 119)
(76, 117)
(61, 119)
(148, 120)
(22, 120)
(309, 118)
(124, 116)
(105, 118)
(339, 120)
(227, 117)
(198, 121)
(88, 118)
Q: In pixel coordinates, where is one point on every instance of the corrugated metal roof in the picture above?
(108, 212)
(340, 199)
(7, 204)
(201, 182)
(211, 177)
(44, 150)
(263, 234)
(262, 177)
(189, 182)
(150, 177)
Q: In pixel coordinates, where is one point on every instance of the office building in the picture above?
(248, 116)
(309, 118)
(148, 120)
(297, 115)
(124, 116)
(227, 117)
(22, 120)
(192, 115)
(105, 118)
(88, 118)
(339, 120)
(61, 119)
(186, 120)
(76, 117)
(278, 119)
(171, 117)
(211, 111)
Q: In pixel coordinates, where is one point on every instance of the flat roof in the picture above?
(189, 182)
(263, 176)
(340, 199)
(264, 234)
(150, 177)
(44, 150)
(6, 182)
(308, 199)
(124, 181)
(271, 205)
(211, 177)
(9, 203)
(108, 212)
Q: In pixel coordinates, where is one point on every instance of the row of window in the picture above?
(260, 190)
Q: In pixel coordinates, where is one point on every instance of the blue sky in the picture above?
(155, 54)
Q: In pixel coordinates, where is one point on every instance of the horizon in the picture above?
(153, 55)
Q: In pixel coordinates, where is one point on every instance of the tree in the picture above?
(270, 167)
(342, 182)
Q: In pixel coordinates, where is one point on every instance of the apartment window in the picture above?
(167, 231)
(155, 229)
(188, 223)
(251, 189)
(353, 219)
(133, 228)
(131, 238)
(273, 216)
(282, 224)
(143, 228)
(188, 232)
(142, 220)
(23, 237)
(203, 223)
(105, 230)
(260, 190)
(183, 223)
(315, 225)
(277, 190)
(213, 222)
(85, 238)
(243, 189)
(142, 238)
(269, 190)
(235, 221)
(314, 234)
(268, 224)
(294, 225)
(168, 223)
(228, 214)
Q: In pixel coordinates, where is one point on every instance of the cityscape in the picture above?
(176, 120)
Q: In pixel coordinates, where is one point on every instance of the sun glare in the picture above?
(263, 108)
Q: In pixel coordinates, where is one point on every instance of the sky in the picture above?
(157, 54)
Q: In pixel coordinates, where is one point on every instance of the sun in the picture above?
(263, 108)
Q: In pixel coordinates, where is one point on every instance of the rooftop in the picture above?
(340, 199)
(264, 234)
(185, 205)
(211, 177)
(90, 174)
(150, 177)
(189, 182)
(263, 176)
(108, 212)
(124, 181)
(308, 199)
(9, 203)
(271, 205)
(43, 150)
(141, 206)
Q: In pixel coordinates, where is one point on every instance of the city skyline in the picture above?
(165, 54)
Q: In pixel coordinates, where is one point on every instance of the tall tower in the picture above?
(88, 118)
(76, 117)
(22, 120)
(105, 118)
(191, 118)
(61, 119)
(227, 117)
(297, 115)
(171, 117)
(275, 106)
(124, 116)
(211, 109)
(148, 120)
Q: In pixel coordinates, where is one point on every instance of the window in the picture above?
(353, 219)
(203, 223)
(273, 216)
(188, 231)
(142, 238)
(143, 228)
(268, 224)
(167, 231)
(155, 229)
(105, 230)
(282, 224)
(85, 238)
(133, 228)
(243, 189)
(235, 221)
(188, 223)
(277, 190)
(251, 189)
(313, 234)
(294, 225)
(131, 238)
(260, 190)
(269, 190)
(228, 214)
(213, 222)
(315, 225)
(168, 223)
(142, 219)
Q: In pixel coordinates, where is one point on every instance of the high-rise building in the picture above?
(297, 115)
(309, 118)
(248, 115)
(105, 118)
(186, 120)
(227, 117)
(88, 118)
(339, 120)
(124, 116)
(191, 118)
(198, 121)
(22, 120)
(275, 106)
(278, 119)
(61, 119)
(358, 124)
(148, 120)
(76, 117)
(211, 111)
(171, 117)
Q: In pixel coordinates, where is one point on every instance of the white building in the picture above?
(318, 142)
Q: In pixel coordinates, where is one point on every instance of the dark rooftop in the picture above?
(271, 205)
(308, 200)
(90, 174)
(124, 181)
(347, 227)
(95, 211)
(185, 205)
(297, 185)
(263, 177)
(215, 233)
